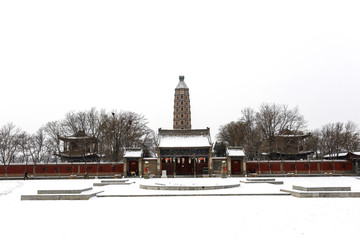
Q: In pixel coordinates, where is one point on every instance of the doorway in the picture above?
(184, 166)
(133, 168)
(235, 167)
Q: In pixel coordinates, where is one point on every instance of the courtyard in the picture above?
(126, 211)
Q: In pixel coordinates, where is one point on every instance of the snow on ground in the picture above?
(253, 217)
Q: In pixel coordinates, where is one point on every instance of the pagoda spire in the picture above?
(182, 113)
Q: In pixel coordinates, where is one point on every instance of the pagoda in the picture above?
(78, 147)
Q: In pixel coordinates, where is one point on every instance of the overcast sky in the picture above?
(59, 56)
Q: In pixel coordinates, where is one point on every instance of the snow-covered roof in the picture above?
(181, 83)
(343, 154)
(133, 153)
(80, 135)
(336, 155)
(292, 135)
(184, 138)
(235, 152)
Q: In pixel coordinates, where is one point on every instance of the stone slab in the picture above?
(269, 182)
(260, 179)
(321, 189)
(187, 188)
(199, 195)
(59, 196)
(111, 183)
(115, 181)
(64, 191)
(340, 194)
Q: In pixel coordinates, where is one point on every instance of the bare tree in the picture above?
(253, 134)
(351, 137)
(9, 144)
(257, 131)
(313, 143)
(36, 147)
(114, 131)
(54, 130)
(339, 137)
(233, 133)
(332, 138)
(124, 129)
(274, 119)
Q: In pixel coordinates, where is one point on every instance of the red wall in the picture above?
(63, 169)
(110, 169)
(263, 167)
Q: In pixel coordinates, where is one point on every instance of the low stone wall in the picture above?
(187, 188)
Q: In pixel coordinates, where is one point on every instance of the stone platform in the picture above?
(195, 195)
(59, 196)
(62, 194)
(64, 191)
(158, 186)
(112, 182)
(262, 180)
(322, 192)
(329, 189)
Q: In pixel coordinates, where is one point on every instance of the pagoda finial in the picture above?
(181, 77)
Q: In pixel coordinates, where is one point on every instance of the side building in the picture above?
(78, 148)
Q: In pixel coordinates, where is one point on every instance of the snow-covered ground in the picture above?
(234, 217)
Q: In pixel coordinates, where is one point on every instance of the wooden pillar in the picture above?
(244, 170)
(125, 167)
(228, 166)
(140, 168)
(174, 161)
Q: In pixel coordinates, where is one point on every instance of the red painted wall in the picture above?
(303, 167)
(63, 169)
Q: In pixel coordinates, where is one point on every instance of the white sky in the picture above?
(57, 56)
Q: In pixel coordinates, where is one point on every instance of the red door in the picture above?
(184, 166)
(235, 167)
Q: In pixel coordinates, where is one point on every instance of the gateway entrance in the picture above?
(184, 166)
